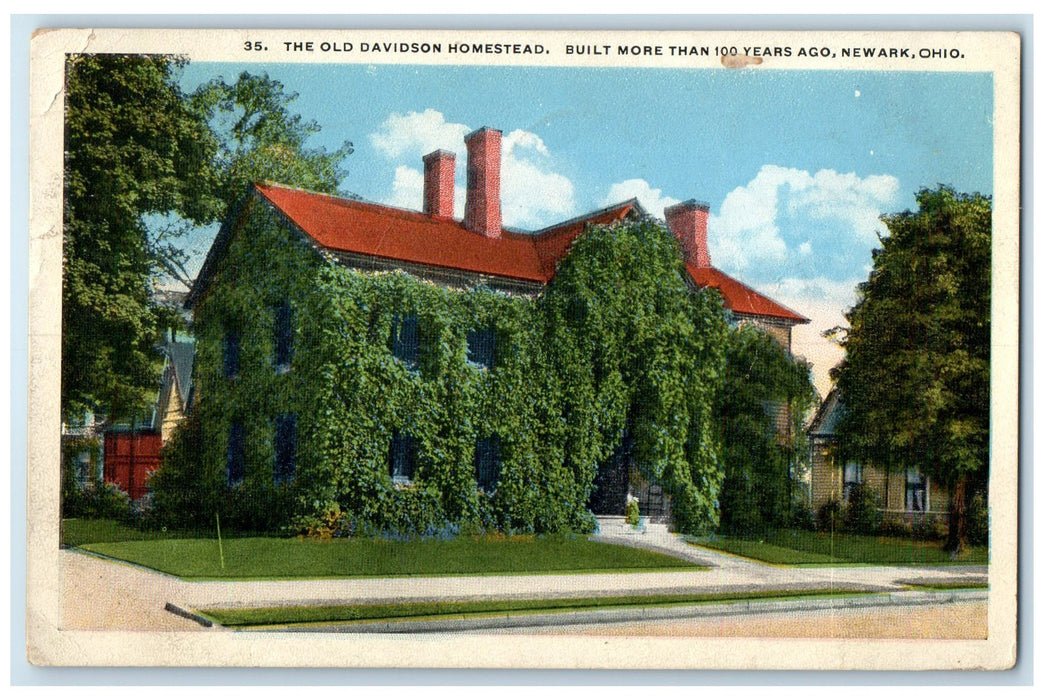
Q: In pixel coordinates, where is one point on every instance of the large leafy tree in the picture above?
(133, 148)
(146, 164)
(761, 408)
(915, 379)
(259, 138)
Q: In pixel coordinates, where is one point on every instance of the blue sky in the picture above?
(797, 166)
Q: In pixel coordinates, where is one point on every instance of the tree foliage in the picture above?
(915, 379)
(258, 138)
(145, 165)
(133, 147)
(761, 408)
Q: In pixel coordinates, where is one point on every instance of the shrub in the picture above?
(896, 526)
(978, 520)
(802, 517)
(328, 523)
(105, 501)
(862, 514)
(927, 528)
(634, 515)
(828, 517)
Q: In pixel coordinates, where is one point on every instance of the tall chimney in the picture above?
(482, 208)
(688, 222)
(439, 168)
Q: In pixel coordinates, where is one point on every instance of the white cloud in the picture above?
(532, 193)
(652, 200)
(785, 213)
(418, 133)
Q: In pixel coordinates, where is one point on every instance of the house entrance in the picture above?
(619, 477)
(612, 481)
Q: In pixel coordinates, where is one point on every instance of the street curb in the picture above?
(188, 615)
(742, 607)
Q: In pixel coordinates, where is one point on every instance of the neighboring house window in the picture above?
(236, 464)
(285, 448)
(231, 347)
(284, 334)
(482, 345)
(405, 340)
(487, 463)
(402, 458)
(853, 477)
(916, 492)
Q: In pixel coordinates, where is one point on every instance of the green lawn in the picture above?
(273, 557)
(329, 614)
(81, 531)
(800, 547)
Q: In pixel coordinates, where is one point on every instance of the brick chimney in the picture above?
(482, 208)
(688, 222)
(439, 168)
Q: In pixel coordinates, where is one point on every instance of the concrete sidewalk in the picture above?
(99, 593)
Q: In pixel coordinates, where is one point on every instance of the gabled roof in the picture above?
(178, 372)
(824, 422)
(353, 226)
(378, 231)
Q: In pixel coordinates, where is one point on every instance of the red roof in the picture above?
(352, 226)
(397, 234)
(740, 298)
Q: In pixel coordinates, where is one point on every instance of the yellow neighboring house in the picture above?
(176, 389)
(903, 495)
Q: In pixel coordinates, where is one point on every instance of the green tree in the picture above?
(258, 138)
(760, 409)
(133, 148)
(915, 379)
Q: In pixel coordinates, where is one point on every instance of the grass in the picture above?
(949, 586)
(801, 547)
(287, 558)
(80, 531)
(387, 612)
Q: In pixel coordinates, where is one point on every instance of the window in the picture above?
(236, 464)
(231, 352)
(285, 448)
(853, 477)
(284, 333)
(487, 464)
(402, 458)
(482, 345)
(405, 340)
(916, 492)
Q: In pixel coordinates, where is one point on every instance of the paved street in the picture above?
(102, 594)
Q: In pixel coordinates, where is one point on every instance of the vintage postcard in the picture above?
(515, 349)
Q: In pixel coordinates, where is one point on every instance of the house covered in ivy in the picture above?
(383, 363)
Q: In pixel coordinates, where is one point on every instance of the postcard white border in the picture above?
(995, 52)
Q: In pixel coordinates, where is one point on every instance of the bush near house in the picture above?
(862, 513)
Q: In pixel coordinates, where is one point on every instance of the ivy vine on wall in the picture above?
(617, 343)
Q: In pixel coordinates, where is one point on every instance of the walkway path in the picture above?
(104, 594)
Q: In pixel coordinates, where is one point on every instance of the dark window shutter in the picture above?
(405, 340)
(482, 344)
(283, 334)
(231, 348)
(285, 448)
(236, 467)
(487, 463)
(402, 457)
